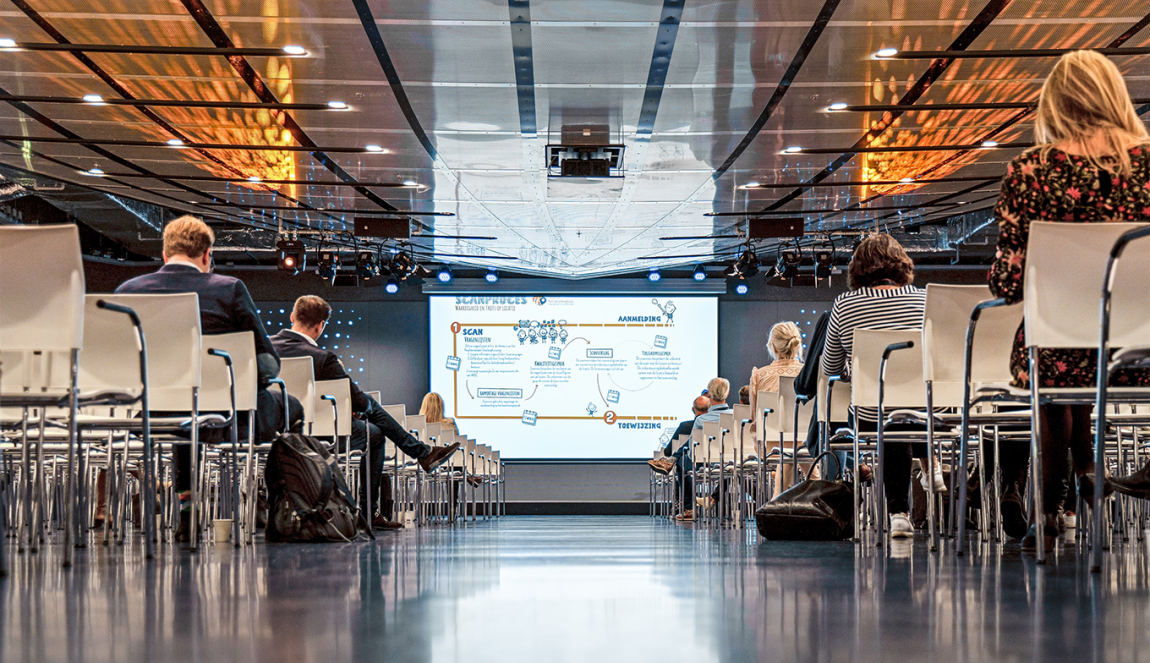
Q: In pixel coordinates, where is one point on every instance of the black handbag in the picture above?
(812, 510)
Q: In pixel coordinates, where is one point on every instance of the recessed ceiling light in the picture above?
(907, 180)
(7, 43)
(175, 142)
(93, 172)
(375, 148)
(253, 178)
(794, 149)
(989, 144)
(337, 105)
(94, 99)
(295, 50)
(410, 183)
(751, 185)
(886, 52)
(838, 106)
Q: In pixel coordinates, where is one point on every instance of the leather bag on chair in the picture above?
(812, 510)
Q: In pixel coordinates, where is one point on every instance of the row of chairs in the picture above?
(84, 379)
(953, 378)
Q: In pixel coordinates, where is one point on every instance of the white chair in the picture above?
(298, 377)
(42, 310)
(333, 415)
(886, 374)
(1059, 311)
(795, 419)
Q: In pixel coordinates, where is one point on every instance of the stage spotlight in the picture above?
(366, 265)
(788, 264)
(824, 262)
(422, 271)
(293, 257)
(327, 263)
(492, 276)
(653, 276)
(444, 274)
(741, 287)
(700, 274)
(748, 264)
(392, 286)
(401, 266)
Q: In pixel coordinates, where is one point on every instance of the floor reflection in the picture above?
(575, 589)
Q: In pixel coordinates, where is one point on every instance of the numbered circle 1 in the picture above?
(455, 327)
(609, 417)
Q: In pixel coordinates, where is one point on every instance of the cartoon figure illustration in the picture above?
(562, 335)
(591, 409)
(534, 335)
(522, 335)
(668, 309)
(552, 334)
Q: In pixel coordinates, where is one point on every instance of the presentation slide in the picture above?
(572, 376)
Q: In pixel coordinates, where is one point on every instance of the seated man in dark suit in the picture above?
(308, 319)
(225, 307)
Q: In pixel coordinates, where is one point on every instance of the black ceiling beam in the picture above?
(182, 145)
(372, 212)
(1008, 53)
(901, 108)
(216, 178)
(173, 103)
(912, 148)
(146, 49)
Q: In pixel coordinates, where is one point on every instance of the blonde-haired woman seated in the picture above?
(432, 410)
(785, 345)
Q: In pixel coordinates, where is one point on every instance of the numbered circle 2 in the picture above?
(609, 417)
(455, 327)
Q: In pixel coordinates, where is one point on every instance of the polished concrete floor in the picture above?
(582, 589)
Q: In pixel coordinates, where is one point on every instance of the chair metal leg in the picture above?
(1036, 457)
(70, 519)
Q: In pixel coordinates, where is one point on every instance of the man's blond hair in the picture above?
(718, 389)
(187, 236)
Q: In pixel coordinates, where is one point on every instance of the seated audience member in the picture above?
(881, 296)
(225, 307)
(745, 395)
(432, 411)
(717, 391)
(679, 460)
(1090, 140)
(785, 345)
(308, 319)
(807, 384)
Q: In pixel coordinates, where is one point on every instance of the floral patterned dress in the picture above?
(1062, 187)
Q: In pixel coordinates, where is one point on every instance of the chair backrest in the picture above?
(374, 394)
(397, 412)
(171, 324)
(418, 424)
(904, 384)
(41, 288)
(214, 392)
(298, 373)
(711, 434)
(840, 401)
(770, 432)
(944, 323)
(787, 398)
(325, 415)
(993, 343)
(740, 434)
(435, 432)
(1065, 266)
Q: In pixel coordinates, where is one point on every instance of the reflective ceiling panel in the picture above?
(459, 100)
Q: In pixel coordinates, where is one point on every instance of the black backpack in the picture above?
(308, 499)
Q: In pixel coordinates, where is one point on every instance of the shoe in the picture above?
(662, 465)
(865, 473)
(705, 503)
(686, 516)
(1013, 512)
(1069, 520)
(1050, 535)
(900, 526)
(1086, 488)
(1135, 485)
(938, 484)
(382, 523)
(437, 457)
(99, 517)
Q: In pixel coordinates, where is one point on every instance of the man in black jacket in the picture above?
(225, 307)
(309, 318)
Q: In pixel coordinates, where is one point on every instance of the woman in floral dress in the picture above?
(1092, 165)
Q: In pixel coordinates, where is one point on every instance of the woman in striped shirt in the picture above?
(881, 297)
